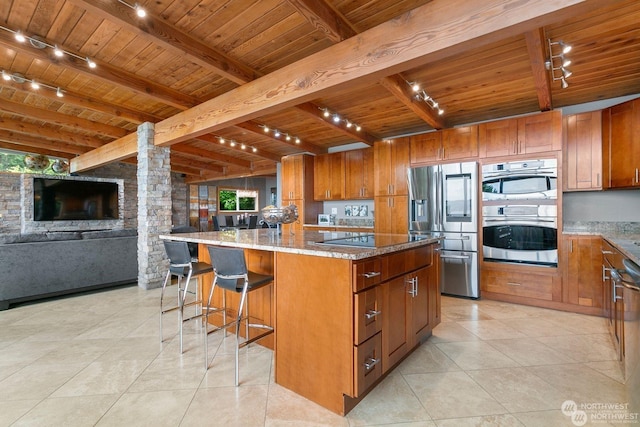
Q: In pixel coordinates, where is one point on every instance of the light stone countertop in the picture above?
(304, 243)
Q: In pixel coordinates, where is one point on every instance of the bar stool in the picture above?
(182, 267)
(231, 273)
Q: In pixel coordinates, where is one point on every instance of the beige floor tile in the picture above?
(228, 406)
(505, 420)
(500, 310)
(610, 368)
(457, 313)
(37, 381)
(476, 355)
(427, 358)
(158, 408)
(551, 418)
(528, 352)
(10, 411)
(170, 374)
(491, 329)
(392, 401)
(286, 408)
(518, 389)
(451, 332)
(538, 327)
(452, 395)
(255, 368)
(103, 378)
(68, 411)
(582, 348)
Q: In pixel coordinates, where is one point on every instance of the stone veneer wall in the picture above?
(10, 203)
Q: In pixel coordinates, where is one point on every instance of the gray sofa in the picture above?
(43, 265)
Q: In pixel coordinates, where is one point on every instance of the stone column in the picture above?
(154, 207)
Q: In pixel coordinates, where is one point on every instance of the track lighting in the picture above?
(38, 43)
(336, 118)
(233, 143)
(140, 12)
(20, 79)
(557, 63)
(421, 95)
(278, 134)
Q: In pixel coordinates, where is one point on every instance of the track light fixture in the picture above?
(278, 134)
(233, 143)
(421, 95)
(337, 119)
(41, 44)
(557, 63)
(140, 12)
(18, 78)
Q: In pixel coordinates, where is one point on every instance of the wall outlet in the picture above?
(334, 211)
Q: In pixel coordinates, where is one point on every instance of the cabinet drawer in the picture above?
(539, 286)
(419, 257)
(368, 363)
(367, 314)
(367, 273)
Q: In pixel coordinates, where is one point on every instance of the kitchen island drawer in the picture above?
(368, 314)
(368, 363)
(522, 284)
(367, 273)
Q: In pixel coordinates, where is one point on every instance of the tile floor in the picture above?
(96, 359)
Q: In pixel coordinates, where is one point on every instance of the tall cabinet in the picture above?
(582, 149)
(391, 201)
(621, 145)
(297, 188)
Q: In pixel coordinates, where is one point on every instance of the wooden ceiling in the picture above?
(187, 52)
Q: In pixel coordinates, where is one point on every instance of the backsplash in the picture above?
(602, 227)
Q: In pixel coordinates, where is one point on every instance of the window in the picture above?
(234, 200)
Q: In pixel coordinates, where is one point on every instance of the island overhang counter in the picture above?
(346, 307)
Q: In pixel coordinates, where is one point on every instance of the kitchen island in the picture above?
(347, 307)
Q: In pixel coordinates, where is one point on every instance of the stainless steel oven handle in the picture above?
(456, 256)
(508, 219)
(457, 238)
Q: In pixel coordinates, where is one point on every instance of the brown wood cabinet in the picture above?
(519, 281)
(621, 145)
(391, 160)
(448, 144)
(329, 176)
(359, 167)
(297, 189)
(582, 151)
(613, 302)
(391, 214)
(582, 270)
(523, 135)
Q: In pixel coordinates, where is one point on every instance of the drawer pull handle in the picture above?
(369, 364)
(372, 313)
(371, 274)
(513, 284)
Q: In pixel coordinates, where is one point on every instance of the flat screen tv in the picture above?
(71, 199)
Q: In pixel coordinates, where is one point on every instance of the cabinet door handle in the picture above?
(413, 290)
(369, 364)
(372, 313)
(598, 179)
(513, 284)
(370, 274)
(571, 246)
(636, 175)
(443, 155)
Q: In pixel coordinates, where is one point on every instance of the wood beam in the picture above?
(105, 73)
(50, 133)
(171, 38)
(27, 141)
(536, 46)
(216, 157)
(256, 128)
(313, 111)
(397, 86)
(200, 165)
(34, 150)
(117, 150)
(436, 30)
(325, 19)
(266, 170)
(62, 119)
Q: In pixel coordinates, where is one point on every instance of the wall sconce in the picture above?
(557, 63)
(41, 44)
(18, 78)
(421, 95)
(337, 119)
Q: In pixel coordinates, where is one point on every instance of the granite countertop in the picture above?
(338, 226)
(304, 243)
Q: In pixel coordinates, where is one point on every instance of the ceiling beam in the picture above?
(325, 19)
(117, 150)
(65, 120)
(170, 38)
(200, 165)
(27, 142)
(216, 157)
(398, 86)
(35, 150)
(261, 171)
(536, 46)
(257, 128)
(430, 32)
(106, 73)
(50, 133)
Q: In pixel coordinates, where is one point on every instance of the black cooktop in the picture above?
(370, 241)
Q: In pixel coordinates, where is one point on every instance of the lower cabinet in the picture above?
(519, 282)
(582, 263)
(613, 303)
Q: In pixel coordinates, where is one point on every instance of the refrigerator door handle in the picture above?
(455, 256)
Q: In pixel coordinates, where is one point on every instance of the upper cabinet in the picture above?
(582, 149)
(359, 174)
(621, 145)
(329, 179)
(293, 175)
(391, 158)
(448, 144)
(523, 135)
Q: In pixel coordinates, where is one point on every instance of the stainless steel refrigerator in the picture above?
(444, 199)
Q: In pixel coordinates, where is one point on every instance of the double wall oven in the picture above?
(520, 213)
